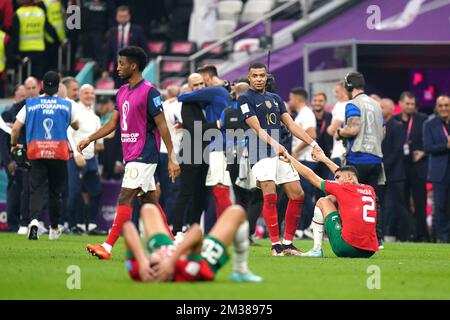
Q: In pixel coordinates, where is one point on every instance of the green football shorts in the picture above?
(333, 228)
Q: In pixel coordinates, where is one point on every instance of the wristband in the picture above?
(314, 144)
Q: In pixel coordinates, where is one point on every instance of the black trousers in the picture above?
(415, 186)
(55, 172)
(398, 220)
(192, 188)
(369, 174)
(251, 200)
(18, 199)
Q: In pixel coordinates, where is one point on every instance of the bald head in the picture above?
(32, 87)
(387, 105)
(196, 82)
(87, 95)
(173, 91)
(240, 88)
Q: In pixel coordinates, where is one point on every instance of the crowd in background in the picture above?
(403, 196)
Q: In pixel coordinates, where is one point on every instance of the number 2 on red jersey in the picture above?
(369, 205)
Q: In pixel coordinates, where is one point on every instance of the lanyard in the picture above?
(322, 128)
(408, 132)
(445, 130)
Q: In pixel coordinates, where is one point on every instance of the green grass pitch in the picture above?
(37, 270)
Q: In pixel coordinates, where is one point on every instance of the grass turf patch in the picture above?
(38, 270)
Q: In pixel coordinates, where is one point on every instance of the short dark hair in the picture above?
(209, 69)
(135, 55)
(257, 65)
(351, 169)
(356, 80)
(300, 91)
(406, 94)
(123, 8)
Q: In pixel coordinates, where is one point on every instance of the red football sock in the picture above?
(293, 214)
(163, 215)
(271, 216)
(221, 199)
(122, 216)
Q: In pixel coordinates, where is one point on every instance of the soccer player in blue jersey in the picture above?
(265, 113)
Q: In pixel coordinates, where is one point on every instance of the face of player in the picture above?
(345, 177)
(408, 105)
(443, 107)
(340, 93)
(258, 79)
(318, 103)
(20, 94)
(87, 96)
(196, 82)
(208, 80)
(32, 88)
(123, 17)
(294, 101)
(125, 69)
(72, 90)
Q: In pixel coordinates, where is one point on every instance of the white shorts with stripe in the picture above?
(274, 169)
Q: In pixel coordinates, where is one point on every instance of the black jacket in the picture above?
(415, 141)
(392, 146)
(136, 38)
(190, 113)
(9, 115)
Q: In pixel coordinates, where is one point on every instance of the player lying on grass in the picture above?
(196, 258)
(351, 229)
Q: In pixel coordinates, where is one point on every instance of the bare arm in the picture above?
(312, 133)
(191, 240)
(133, 244)
(305, 172)
(352, 127)
(296, 129)
(109, 127)
(334, 126)
(174, 168)
(253, 123)
(15, 131)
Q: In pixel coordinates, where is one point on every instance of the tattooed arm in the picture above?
(351, 129)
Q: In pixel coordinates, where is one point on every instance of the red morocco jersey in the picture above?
(188, 270)
(357, 208)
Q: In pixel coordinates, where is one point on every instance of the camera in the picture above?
(20, 156)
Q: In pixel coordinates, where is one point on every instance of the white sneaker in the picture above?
(298, 234)
(54, 234)
(179, 238)
(23, 231)
(313, 253)
(309, 233)
(42, 229)
(33, 229)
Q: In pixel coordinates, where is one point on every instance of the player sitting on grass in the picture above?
(196, 258)
(351, 229)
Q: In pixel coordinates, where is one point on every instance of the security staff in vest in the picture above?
(46, 119)
(4, 39)
(28, 35)
(54, 10)
(364, 132)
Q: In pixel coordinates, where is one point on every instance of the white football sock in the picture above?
(287, 242)
(317, 227)
(107, 247)
(241, 245)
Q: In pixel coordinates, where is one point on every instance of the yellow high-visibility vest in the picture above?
(55, 18)
(32, 26)
(2, 51)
